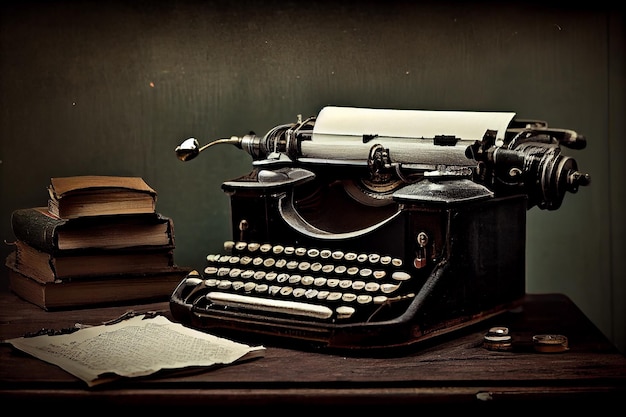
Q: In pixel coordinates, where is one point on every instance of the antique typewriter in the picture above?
(365, 228)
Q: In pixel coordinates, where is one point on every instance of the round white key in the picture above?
(344, 312)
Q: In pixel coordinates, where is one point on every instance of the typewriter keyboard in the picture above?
(301, 283)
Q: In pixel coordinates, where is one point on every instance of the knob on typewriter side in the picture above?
(531, 163)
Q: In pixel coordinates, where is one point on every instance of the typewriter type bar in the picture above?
(368, 229)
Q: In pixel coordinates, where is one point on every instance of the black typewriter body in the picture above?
(355, 250)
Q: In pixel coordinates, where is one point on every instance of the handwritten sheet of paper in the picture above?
(134, 347)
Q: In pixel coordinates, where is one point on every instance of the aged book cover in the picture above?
(49, 233)
(94, 195)
(116, 290)
(81, 264)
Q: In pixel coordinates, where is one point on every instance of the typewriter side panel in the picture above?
(483, 252)
(474, 271)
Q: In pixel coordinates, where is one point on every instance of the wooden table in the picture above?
(453, 371)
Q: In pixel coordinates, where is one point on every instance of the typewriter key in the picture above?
(380, 299)
(340, 269)
(319, 281)
(344, 312)
(350, 256)
(365, 272)
(332, 282)
(388, 288)
(307, 280)
(224, 284)
(400, 276)
(311, 293)
(379, 274)
(322, 295)
(352, 271)
(247, 274)
(273, 290)
(261, 288)
(210, 270)
(316, 267)
(345, 283)
(348, 297)
(364, 299)
(334, 296)
(358, 285)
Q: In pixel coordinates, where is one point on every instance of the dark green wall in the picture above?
(112, 87)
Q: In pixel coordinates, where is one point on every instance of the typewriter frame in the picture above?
(446, 192)
(474, 269)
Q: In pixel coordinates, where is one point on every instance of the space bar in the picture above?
(265, 304)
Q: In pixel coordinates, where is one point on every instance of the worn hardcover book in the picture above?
(93, 195)
(49, 233)
(113, 290)
(82, 264)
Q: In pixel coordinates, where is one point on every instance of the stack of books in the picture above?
(99, 241)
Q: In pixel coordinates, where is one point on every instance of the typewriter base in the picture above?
(358, 340)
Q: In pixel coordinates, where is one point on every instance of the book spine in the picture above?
(37, 229)
(170, 231)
